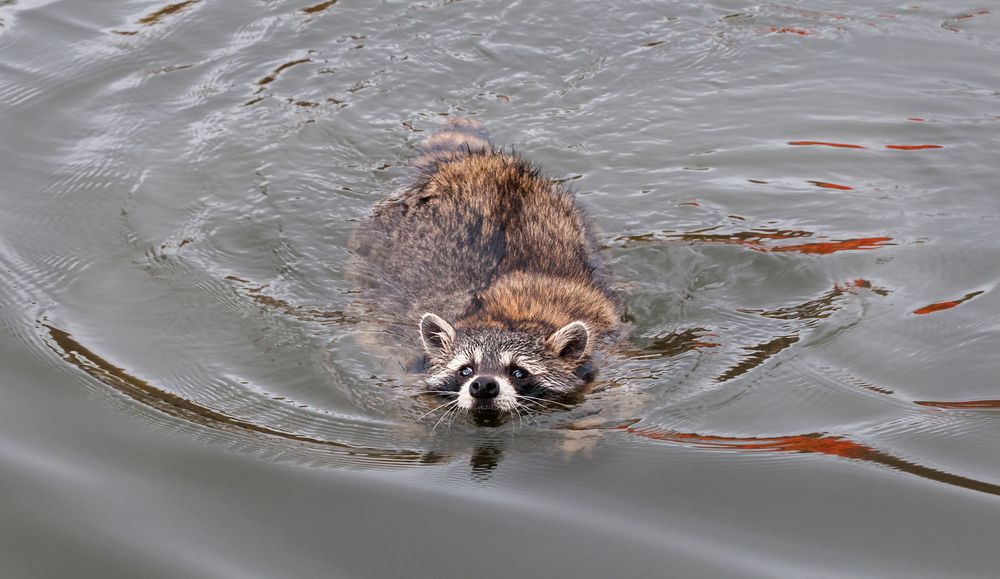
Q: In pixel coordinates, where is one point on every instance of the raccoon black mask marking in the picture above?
(498, 370)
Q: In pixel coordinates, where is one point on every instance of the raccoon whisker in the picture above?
(520, 418)
(537, 407)
(532, 415)
(439, 421)
(436, 408)
(532, 400)
(453, 402)
(522, 411)
(454, 413)
(536, 399)
(535, 411)
(450, 412)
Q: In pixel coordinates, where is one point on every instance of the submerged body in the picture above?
(495, 266)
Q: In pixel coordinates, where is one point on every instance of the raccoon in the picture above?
(495, 265)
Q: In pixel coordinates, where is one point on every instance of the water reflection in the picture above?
(819, 308)
(317, 8)
(175, 406)
(485, 458)
(815, 443)
(936, 307)
(155, 17)
(757, 355)
(758, 240)
(668, 345)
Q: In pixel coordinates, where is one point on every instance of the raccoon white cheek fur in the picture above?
(499, 266)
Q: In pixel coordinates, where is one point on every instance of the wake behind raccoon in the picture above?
(498, 265)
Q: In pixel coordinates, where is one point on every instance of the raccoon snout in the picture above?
(484, 388)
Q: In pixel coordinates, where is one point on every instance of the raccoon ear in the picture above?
(436, 334)
(570, 341)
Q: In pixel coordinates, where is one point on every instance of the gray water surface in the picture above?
(799, 202)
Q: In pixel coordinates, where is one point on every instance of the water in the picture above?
(798, 201)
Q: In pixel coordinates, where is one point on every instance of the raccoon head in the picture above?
(490, 370)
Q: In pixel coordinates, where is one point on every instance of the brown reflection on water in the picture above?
(670, 345)
(761, 239)
(262, 83)
(315, 8)
(682, 341)
(173, 405)
(815, 309)
(256, 293)
(790, 30)
(825, 144)
(962, 404)
(936, 307)
(820, 307)
(815, 443)
(757, 355)
(953, 23)
(754, 239)
(155, 17)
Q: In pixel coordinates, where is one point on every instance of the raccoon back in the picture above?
(474, 214)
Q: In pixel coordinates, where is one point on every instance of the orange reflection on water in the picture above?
(824, 248)
(946, 305)
(962, 404)
(790, 30)
(761, 240)
(825, 144)
(913, 147)
(810, 443)
(815, 443)
(826, 185)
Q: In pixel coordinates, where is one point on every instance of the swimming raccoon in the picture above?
(498, 265)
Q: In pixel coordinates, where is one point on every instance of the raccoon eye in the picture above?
(465, 371)
(519, 374)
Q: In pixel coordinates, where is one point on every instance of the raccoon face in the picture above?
(501, 371)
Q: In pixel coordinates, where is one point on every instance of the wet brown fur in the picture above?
(482, 239)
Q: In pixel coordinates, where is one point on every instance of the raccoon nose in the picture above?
(484, 388)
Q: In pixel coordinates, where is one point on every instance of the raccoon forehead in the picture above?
(497, 340)
(529, 363)
(500, 349)
(468, 356)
